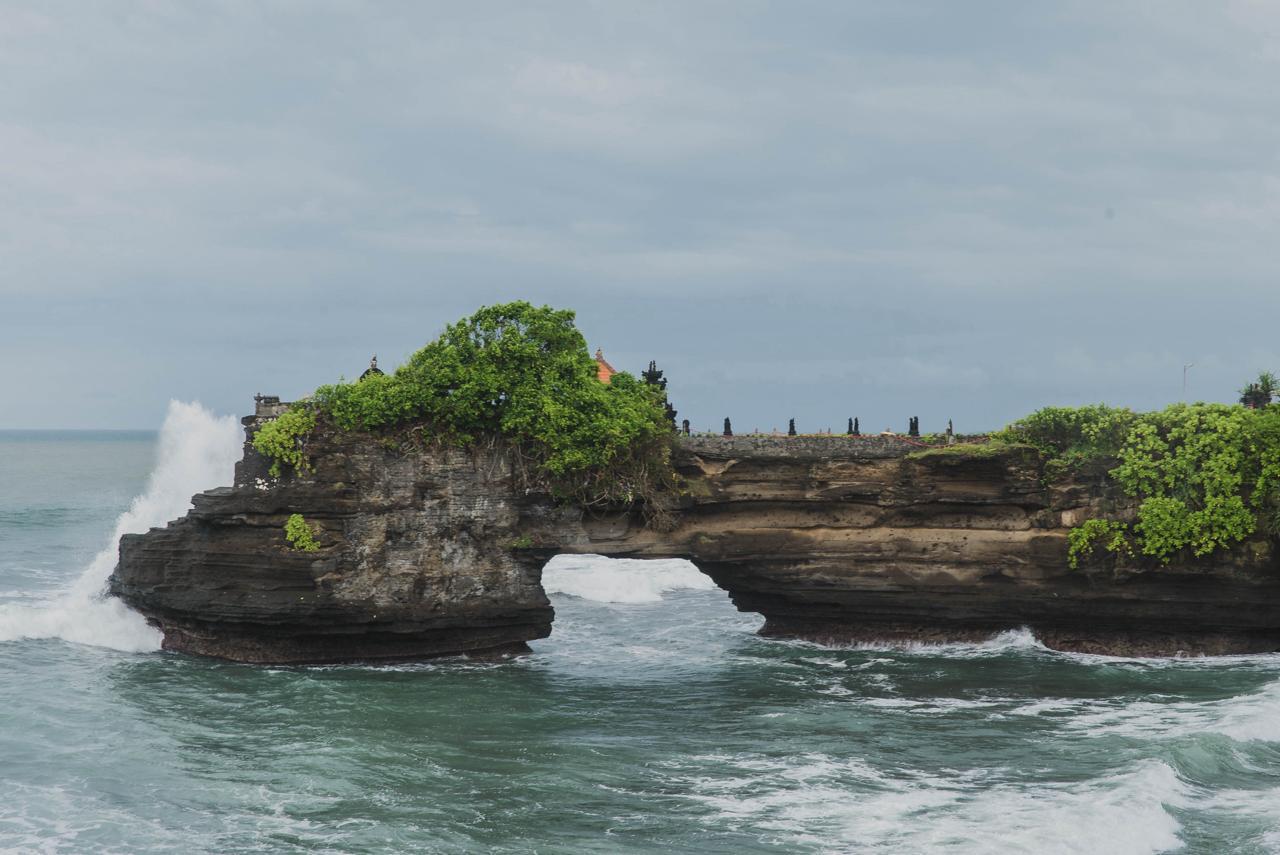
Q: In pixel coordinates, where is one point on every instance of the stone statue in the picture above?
(728, 428)
(791, 428)
(372, 369)
(685, 426)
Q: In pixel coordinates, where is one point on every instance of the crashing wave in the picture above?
(196, 450)
(621, 580)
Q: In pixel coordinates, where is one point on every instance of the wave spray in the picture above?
(196, 451)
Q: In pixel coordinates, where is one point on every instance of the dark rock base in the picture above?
(259, 647)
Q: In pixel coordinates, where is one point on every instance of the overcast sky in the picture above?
(809, 210)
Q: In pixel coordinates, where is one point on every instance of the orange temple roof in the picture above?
(603, 369)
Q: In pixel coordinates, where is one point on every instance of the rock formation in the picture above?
(430, 552)
(839, 540)
(416, 560)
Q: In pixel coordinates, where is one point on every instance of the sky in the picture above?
(801, 210)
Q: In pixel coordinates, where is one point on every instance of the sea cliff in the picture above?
(429, 551)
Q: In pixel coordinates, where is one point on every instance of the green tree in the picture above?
(520, 375)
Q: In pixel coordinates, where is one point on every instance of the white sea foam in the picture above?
(621, 580)
(196, 450)
(1254, 717)
(848, 807)
(999, 643)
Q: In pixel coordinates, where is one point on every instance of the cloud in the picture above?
(938, 209)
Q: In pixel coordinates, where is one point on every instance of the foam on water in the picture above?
(1122, 813)
(847, 806)
(1002, 642)
(1021, 640)
(196, 451)
(1254, 717)
(621, 580)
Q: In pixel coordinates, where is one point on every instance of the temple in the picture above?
(604, 370)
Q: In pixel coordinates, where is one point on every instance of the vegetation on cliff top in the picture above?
(1204, 476)
(513, 373)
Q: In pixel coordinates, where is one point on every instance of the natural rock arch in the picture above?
(830, 538)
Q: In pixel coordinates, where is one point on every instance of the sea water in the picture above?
(653, 720)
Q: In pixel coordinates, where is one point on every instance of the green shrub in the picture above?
(1083, 539)
(1075, 433)
(300, 534)
(1204, 476)
(283, 439)
(520, 375)
(1203, 473)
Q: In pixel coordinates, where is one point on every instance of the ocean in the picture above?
(652, 720)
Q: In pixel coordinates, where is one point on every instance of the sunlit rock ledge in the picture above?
(834, 539)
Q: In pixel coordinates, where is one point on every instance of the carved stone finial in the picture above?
(372, 369)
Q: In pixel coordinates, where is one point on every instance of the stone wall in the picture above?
(843, 446)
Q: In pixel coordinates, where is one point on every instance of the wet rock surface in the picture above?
(415, 561)
(835, 539)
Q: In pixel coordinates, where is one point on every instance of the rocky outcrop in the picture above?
(415, 561)
(839, 539)
(433, 552)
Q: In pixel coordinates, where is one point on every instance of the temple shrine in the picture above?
(604, 370)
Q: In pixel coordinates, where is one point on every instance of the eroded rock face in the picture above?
(836, 539)
(415, 562)
(832, 539)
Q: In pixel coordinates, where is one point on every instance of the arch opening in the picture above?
(674, 587)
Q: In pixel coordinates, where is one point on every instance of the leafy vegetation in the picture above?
(1071, 436)
(1110, 534)
(517, 375)
(1204, 475)
(284, 439)
(300, 534)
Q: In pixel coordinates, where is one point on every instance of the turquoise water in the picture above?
(653, 720)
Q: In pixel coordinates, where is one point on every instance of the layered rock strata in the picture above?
(434, 552)
(415, 561)
(837, 539)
